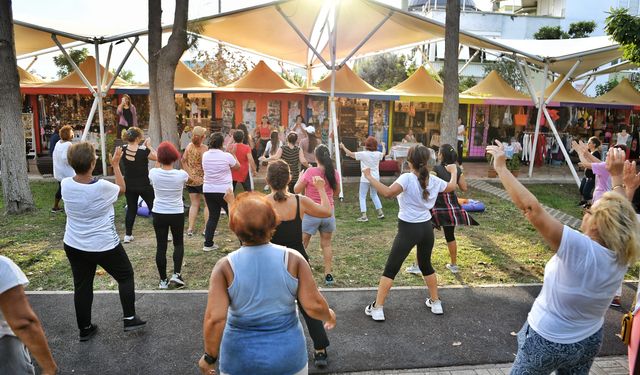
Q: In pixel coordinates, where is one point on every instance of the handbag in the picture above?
(520, 118)
(626, 324)
(506, 120)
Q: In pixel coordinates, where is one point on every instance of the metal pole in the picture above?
(469, 61)
(73, 64)
(562, 148)
(106, 67)
(31, 63)
(564, 80)
(144, 58)
(303, 37)
(92, 114)
(527, 81)
(332, 101)
(366, 39)
(103, 147)
(540, 105)
(126, 57)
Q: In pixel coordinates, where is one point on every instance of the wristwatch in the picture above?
(209, 359)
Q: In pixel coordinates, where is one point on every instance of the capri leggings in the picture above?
(449, 233)
(408, 236)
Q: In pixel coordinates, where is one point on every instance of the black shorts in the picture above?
(194, 189)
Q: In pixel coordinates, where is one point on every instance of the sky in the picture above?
(94, 18)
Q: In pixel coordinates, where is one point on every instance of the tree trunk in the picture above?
(162, 70)
(155, 44)
(448, 125)
(13, 161)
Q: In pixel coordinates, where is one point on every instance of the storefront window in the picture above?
(228, 112)
(274, 112)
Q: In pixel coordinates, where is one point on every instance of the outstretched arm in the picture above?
(348, 152)
(386, 191)
(548, 226)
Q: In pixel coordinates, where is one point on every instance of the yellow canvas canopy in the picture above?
(88, 68)
(30, 38)
(347, 84)
(261, 79)
(623, 93)
(186, 79)
(567, 93)
(420, 86)
(28, 79)
(494, 87)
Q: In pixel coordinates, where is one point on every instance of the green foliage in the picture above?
(509, 72)
(513, 164)
(581, 29)
(550, 32)
(221, 67)
(383, 71)
(623, 28)
(604, 88)
(127, 75)
(466, 83)
(64, 67)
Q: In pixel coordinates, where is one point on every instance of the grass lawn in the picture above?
(563, 197)
(503, 249)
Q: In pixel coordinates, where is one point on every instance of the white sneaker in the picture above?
(169, 237)
(414, 269)
(363, 219)
(266, 188)
(210, 248)
(376, 313)
(452, 267)
(164, 284)
(128, 239)
(436, 306)
(176, 279)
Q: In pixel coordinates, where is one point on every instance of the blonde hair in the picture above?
(197, 135)
(617, 225)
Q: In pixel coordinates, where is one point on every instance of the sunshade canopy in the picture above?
(349, 84)
(88, 69)
(567, 94)
(28, 79)
(623, 93)
(261, 79)
(185, 80)
(494, 87)
(31, 38)
(419, 86)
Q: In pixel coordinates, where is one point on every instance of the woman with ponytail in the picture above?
(291, 208)
(416, 192)
(312, 224)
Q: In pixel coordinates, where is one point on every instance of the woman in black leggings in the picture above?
(416, 192)
(290, 209)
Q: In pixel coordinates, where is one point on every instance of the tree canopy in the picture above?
(580, 29)
(509, 72)
(383, 71)
(623, 28)
(222, 67)
(64, 66)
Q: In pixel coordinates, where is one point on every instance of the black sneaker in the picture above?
(328, 279)
(56, 210)
(133, 324)
(320, 359)
(87, 333)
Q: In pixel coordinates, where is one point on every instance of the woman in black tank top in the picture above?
(289, 233)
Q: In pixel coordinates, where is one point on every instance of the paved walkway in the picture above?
(615, 365)
(488, 188)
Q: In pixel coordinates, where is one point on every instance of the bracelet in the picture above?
(618, 186)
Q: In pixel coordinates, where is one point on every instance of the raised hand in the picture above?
(229, 197)
(499, 158)
(451, 168)
(318, 182)
(630, 177)
(615, 161)
(115, 159)
(366, 172)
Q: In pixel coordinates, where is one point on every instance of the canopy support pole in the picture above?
(532, 92)
(124, 60)
(304, 38)
(73, 64)
(137, 50)
(332, 101)
(366, 39)
(106, 67)
(35, 58)
(539, 105)
(99, 97)
(588, 83)
(468, 61)
(562, 148)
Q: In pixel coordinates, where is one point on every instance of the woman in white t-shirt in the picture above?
(217, 166)
(90, 237)
(370, 158)
(416, 192)
(168, 212)
(61, 167)
(563, 331)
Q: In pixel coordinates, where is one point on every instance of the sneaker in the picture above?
(56, 210)
(452, 267)
(436, 306)
(414, 269)
(87, 333)
(169, 237)
(376, 313)
(190, 233)
(164, 284)
(380, 214)
(266, 188)
(320, 359)
(328, 279)
(133, 324)
(128, 239)
(616, 302)
(210, 248)
(363, 218)
(177, 281)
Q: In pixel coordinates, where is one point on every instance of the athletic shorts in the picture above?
(312, 224)
(194, 189)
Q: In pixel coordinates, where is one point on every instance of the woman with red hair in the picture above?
(168, 212)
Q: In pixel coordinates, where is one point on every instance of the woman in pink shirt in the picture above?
(217, 166)
(311, 224)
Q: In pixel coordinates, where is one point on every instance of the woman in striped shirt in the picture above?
(293, 155)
